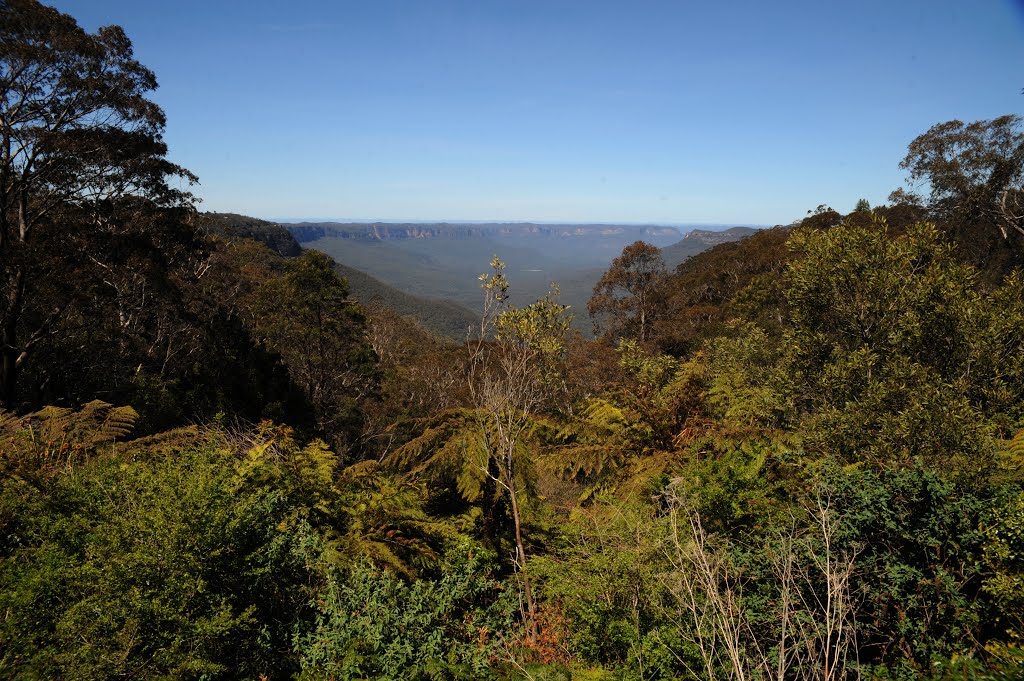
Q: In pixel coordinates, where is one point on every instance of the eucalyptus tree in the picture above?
(82, 160)
(972, 170)
(513, 372)
(629, 298)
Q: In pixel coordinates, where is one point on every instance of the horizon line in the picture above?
(449, 221)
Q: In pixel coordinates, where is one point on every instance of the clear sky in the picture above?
(584, 110)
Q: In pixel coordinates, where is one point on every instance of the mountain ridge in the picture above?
(382, 231)
(699, 240)
(394, 263)
(441, 316)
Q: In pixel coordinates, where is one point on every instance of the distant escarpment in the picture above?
(699, 240)
(442, 317)
(709, 237)
(386, 231)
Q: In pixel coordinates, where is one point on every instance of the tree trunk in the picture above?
(531, 608)
(9, 351)
(8, 370)
(490, 507)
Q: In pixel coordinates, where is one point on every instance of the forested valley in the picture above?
(795, 456)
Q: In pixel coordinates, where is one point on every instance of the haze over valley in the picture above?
(444, 260)
(238, 448)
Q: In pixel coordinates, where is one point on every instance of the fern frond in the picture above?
(1012, 451)
(1016, 445)
(54, 439)
(473, 471)
(96, 423)
(432, 431)
(589, 460)
(51, 423)
(604, 417)
(359, 471)
(449, 450)
(10, 422)
(595, 442)
(385, 521)
(106, 422)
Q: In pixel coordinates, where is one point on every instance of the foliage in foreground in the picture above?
(822, 480)
(157, 564)
(222, 556)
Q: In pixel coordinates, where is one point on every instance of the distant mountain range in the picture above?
(443, 317)
(699, 240)
(385, 231)
(445, 259)
(429, 270)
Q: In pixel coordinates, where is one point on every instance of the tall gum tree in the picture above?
(628, 297)
(972, 171)
(78, 140)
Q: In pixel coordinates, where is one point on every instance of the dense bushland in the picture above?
(796, 456)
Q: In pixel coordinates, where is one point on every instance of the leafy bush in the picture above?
(148, 566)
(371, 624)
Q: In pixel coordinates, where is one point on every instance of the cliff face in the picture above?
(311, 231)
(699, 240)
(385, 231)
(710, 238)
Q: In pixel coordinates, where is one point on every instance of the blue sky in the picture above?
(667, 112)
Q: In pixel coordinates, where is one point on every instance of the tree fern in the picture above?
(361, 512)
(39, 445)
(1012, 452)
(451, 451)
(594, 443)
(385, 520)
(96, 423)
(104, 422)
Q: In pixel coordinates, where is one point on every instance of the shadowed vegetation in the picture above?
(795, 456)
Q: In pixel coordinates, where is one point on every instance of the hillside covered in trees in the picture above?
(795, 456)
(442, 260)
(442, 317)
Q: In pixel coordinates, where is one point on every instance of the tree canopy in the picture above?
(798, 456)
(973, 170)
(626, 300)
(80, 144)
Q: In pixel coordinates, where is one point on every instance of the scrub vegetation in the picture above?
(795, 456)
